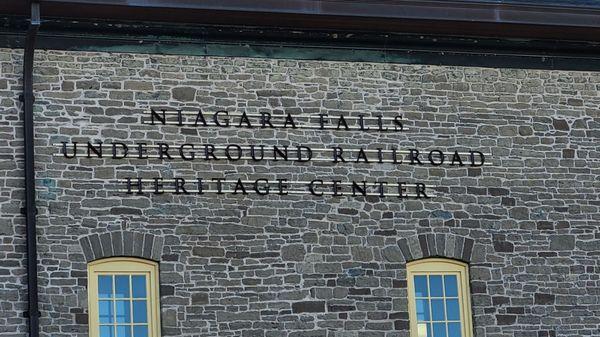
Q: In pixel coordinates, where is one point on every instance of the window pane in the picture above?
(105, 311)
(424, 330)
(139, 312)
(107, 331)
(138, 286)
(452, 310)
(421, 286)
(435, 286)
(123, 331)
(451, 286)
(122, 286)
(142, 331)
(422, 310)
(123, 311)
(437, 310)
(454, 330)
(439, 329)
(104, 286)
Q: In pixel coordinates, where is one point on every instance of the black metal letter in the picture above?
(200, 117)
(414, 157)
(237, 148)
(216, 118)
(322, 120)
(163, 150)
(142, 151)
(380, 123)
(362, 190)
(265, 119)
(244, 119)
(179, 182)
(253, 153)
(362, 156)
(209, 151)
(154, 115)
(440, 156)
(380, 188)
(124, 148)
(472, 156)
(64, 150)
(380, 155)
(158, 185)
(138, 184)
(311, 187)
(283, 154)
(342, 121)
(179, 117)
(192, 152)
(219, 184)
(361, 123)
(337, 154)
(401, 190)
(289, 119)
(336, 188)
(420, 187)
(266, 189)
(398, 125)
(456, 158)
(97, 150)
(200, 186)
(282, 186)
(308, 152)
(239, 185)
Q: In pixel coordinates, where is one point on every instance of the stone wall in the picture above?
(13, 277)
(300, 265)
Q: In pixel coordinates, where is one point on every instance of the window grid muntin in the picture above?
(429, 323)
(113, 299)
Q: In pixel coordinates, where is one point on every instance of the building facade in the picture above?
(200, 193)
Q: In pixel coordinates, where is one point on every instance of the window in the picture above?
(123, 298)
(439, 299)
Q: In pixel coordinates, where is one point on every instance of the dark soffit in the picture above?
(556, 20)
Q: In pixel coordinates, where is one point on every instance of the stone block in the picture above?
(563, 243)
(184, 94)
(208, 251)
(294, 252)
(543, 299)
(308, 306)
(200, 298)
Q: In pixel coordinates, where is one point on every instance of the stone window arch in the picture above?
(443, 245)
(122, 244)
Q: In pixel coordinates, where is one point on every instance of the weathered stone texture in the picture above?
(297, 265)
(13, 287)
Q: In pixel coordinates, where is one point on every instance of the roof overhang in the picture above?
(502, 19)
